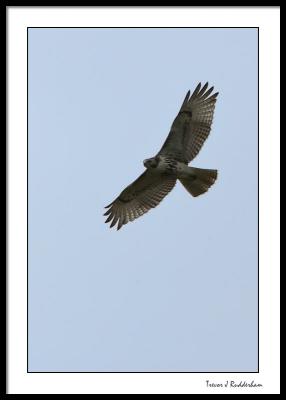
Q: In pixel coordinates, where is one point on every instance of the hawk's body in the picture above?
(189, 130)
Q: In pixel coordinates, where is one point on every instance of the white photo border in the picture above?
(267, 19)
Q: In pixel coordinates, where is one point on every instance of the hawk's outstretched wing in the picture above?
(139, 197)
(192, 125)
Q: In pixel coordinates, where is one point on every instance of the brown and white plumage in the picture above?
(139, 197)
(188, 133)
(192, 125)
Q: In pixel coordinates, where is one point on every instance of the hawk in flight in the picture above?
(188, 133)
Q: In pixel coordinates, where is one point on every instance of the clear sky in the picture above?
(175, 290)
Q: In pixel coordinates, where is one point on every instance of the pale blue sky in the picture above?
(176, 290)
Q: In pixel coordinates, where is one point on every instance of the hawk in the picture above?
(188, 133)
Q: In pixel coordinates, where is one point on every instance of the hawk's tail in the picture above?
(202, 180)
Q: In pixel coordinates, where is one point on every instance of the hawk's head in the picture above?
(151, 162)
